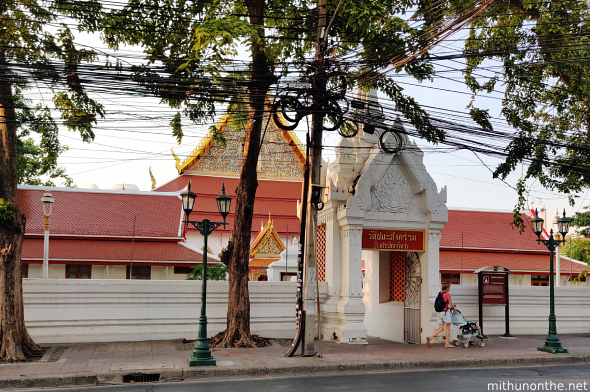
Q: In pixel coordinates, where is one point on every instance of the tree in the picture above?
(581, 222)
(578, 248)
(197, 42)
(32, 50)
(542, 49)
(36, 165)
(214, 272)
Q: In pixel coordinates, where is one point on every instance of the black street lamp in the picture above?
(552, 343)
(202, 354)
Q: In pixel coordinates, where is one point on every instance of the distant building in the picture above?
(473, 239)
(106, 234)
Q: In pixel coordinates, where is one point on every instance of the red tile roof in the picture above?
(277, 198)
(61, 251)
(515, 262)
(102, 213)
(487, 230)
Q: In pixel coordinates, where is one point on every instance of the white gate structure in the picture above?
(380, 206)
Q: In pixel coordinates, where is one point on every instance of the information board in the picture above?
(393, 240)
(494, 288)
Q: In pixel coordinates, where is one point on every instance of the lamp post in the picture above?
(202, 354)
(47, 201)
(552, 343)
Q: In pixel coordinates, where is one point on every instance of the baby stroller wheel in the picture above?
(481, 343)
(466, 344)
(457, 343)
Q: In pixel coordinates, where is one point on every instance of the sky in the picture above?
(136, 136)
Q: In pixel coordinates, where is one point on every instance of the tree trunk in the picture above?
(15, 342)
(237, 333)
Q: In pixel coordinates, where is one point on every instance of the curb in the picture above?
(214, 373)
(194, 374)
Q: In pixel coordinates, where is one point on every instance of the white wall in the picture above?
(529, 309)
(383, 318)
(97, 310)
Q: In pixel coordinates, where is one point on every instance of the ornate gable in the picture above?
(267, 244)
(281, 157)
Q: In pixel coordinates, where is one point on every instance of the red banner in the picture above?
(393, 240)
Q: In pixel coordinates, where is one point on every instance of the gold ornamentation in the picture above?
(267, 243)
(177, 159)
(281, 156)
(153, 179)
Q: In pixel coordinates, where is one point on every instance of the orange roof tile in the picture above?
(102, 213)
(487, 230)
(112, 251)
(279, 198)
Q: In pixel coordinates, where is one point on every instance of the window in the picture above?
(74, 271)
(140, 272)
(182, 270)
(450, 278)
(539, 280)
(25, 270)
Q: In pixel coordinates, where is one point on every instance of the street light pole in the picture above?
(552, 343)
(202, 354)
(47, 201)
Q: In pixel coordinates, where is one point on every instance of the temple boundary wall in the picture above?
(529, 309)
(97, 310)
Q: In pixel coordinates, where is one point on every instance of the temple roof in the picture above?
(267, 244)
(282, 156)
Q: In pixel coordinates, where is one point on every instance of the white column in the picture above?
(433, 264)
(431, 289)
(46, 248)
(333, 251)
(329, 308)
(351, 307)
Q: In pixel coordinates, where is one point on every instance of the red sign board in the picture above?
(494, 288)
(394, 240)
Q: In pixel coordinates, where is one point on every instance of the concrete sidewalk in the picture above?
(106, 363)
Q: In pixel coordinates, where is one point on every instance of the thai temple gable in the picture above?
(267, 244)
(281, 158)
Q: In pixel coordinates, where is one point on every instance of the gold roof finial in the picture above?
(153, 179)
(177, 159)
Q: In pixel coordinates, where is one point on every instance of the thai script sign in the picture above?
(394, 240)
(494, 288)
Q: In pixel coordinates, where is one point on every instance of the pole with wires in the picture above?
(319, 85)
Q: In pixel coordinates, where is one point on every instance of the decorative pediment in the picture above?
(281, 158)
(398, 183)
(267, 243)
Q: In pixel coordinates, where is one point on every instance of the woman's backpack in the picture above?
(440, 304)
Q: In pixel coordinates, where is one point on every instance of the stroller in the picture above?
(468, 331)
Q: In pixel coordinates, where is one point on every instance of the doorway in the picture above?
(413, 281)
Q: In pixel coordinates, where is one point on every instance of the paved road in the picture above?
(571, 377)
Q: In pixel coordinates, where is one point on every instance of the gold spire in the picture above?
(177, 159)
(153, 179)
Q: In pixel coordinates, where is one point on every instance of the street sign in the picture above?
(494, 288)
(393, 240)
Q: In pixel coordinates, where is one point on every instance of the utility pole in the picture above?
(319, 88)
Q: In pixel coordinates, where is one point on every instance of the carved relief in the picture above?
(351, 232)
(393, 193)
(434, 236)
